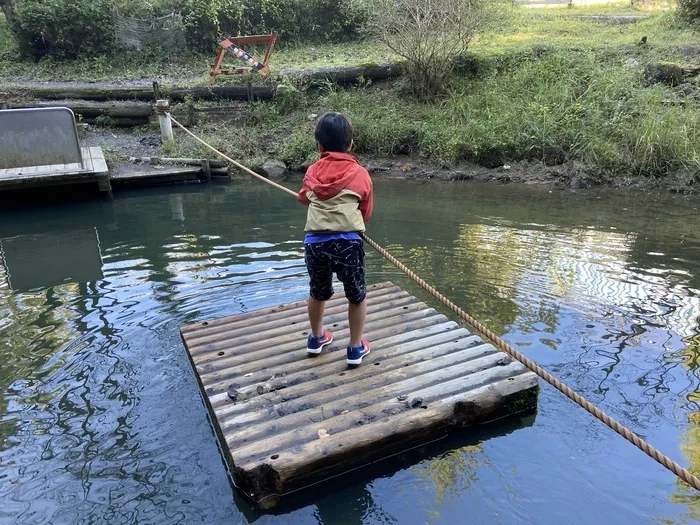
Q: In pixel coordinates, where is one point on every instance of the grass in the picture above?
(544, 85)
(520, 29)
(555, 89)
(565, 107)
(568, 28)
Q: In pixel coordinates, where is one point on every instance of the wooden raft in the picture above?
(287, 420)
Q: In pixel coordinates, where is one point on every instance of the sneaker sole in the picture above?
(358, 361)
(316, 351)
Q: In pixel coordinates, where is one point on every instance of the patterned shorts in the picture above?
(344, 258)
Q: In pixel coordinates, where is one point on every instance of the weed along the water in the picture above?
(349, 262)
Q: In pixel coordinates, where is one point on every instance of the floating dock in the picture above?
(40, 147)
(93, 169)
(287, 420)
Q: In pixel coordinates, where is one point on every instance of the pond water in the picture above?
(101, 419)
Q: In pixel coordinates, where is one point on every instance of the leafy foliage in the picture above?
(72, 28)
(690, 9)
(7, 43)
(63, 28)
(295, 20)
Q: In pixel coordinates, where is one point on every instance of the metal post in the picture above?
(166, 125)
(206, 169)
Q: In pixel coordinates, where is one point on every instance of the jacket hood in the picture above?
(331, 174)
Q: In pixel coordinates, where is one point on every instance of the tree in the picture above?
(690, 9)
(429, 34)
(8, 9)
(61, 28)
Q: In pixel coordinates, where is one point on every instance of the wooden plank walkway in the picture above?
(286, 420)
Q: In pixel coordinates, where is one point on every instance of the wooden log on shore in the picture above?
(97, 93)
(121, 114)
(90, 109)
(145, 94)
(346, 74)
(124, 113)
(214, 163)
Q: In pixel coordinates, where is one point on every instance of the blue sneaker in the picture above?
(315, 344)
(355, 354)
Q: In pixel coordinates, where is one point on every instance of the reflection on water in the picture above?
(44, 260)
(100, 415)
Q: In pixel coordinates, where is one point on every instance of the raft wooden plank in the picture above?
(288, 354)
(264, 329)
(273, 313)
(247, 343)
(222, 380)
(253, 426)
(396, 352)
(286, 420)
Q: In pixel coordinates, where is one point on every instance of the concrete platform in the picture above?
(286, 421)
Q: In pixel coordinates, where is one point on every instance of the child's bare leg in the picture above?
(357, 313)
(316, 309)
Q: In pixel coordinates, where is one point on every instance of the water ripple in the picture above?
(101, 420)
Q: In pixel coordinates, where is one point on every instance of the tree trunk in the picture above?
(346, 74)
(90, 109)
(8, 8)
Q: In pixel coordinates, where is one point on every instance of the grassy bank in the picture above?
(553, 87)
(545, 85)
(517, 31)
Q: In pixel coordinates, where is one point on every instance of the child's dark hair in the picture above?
(334, 132)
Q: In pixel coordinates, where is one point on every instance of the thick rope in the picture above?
(625, 432)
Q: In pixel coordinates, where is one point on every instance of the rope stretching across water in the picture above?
(625, 432)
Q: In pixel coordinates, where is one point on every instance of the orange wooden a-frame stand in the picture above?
(234, 46)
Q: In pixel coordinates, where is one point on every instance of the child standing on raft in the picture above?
(339, 194)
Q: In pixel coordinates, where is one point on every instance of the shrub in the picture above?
(428, 34)
(295, 20)
(201, 18)
(299, 148)
(64, 28)
(71, 28)
(689, 9)
(317, 20)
